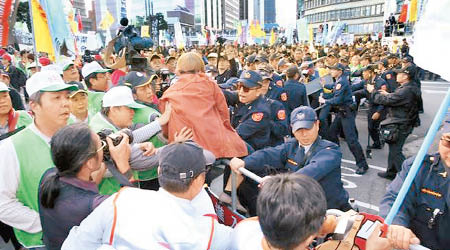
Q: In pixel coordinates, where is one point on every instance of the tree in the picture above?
(23, 14)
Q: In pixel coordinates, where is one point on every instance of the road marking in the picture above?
(435, 87)
(367, 205)
(370, 166)
(435, 91)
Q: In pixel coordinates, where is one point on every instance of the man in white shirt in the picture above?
(178, 216)
(25, 156)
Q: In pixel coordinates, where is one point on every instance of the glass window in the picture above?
(382, 9)
(378, 9)
(374, 11)
(368, 11)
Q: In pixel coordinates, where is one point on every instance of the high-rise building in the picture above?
(230, 13)
(269, 11)
(361, 16)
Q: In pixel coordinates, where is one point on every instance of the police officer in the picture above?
(403, 114)
(295, 91)
(342, 102)
(275, 89)
(425, 209)
(279, 126)
(387, 74)
(251, 114)
(307, 154)
(376, 112)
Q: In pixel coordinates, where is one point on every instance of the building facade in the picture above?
(361, 16)
(80, 8)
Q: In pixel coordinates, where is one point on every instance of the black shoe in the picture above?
(376, 146)
(361, 171)
(386, 175)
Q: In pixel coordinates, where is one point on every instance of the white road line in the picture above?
(434, 91)
(367, 205)
(370, 166)
(435, 87)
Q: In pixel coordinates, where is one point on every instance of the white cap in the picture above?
(52, 67)
(93, 67)
(47, 81)
(212, 55)
(120, 96)
(33, 65)
(64, 64)
(3, 87)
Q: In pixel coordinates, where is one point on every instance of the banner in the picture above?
(179, 39)
(431, 35)
(5, 11)
(413, 11)
(145, 31)
(302, 29)
(403, 14)
(42, 38)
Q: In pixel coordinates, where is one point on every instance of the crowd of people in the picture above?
(98, 157)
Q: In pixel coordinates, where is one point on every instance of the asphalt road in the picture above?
(368, 189)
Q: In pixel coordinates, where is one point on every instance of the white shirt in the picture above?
(150, 220)
(13, 212)
(247, 236)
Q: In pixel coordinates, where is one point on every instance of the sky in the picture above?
(286, 12)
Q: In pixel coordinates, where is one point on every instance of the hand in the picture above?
(321, 100)
(120, 153)
(370, 88)
(263, 180)
(383, 92)
(375, 242)
(164, 118)
(401, 237)
(148, 148)
(236, 164)
(184, 135)
(376, 116)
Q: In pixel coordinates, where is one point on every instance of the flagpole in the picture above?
(30, 6)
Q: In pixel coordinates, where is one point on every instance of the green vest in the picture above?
(143, 115)
(108, 185)
(34, 158)
(95, 101)
(25, 119)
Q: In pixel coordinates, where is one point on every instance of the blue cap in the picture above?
(250, 79)
(229, 83)
(303, 117)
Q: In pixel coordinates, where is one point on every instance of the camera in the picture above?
(129, 38)
(116, 139)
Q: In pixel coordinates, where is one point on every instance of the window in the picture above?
(382, 9)
(368, 11)
(373, 12)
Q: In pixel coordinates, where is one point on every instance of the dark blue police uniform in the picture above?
(425, 209)
(278, 124)
(345, 120)
(391, 78)
(296, 95)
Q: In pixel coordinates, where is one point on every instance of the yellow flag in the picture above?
(272, 37)
(145, 31)
(311, 34)
(413, 11)
(42, 37)
(107, 21)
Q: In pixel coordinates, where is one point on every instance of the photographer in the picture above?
(68, 193)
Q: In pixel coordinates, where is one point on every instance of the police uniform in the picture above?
(321, 161)
(425, 209)
(403, 111)
(251, 120)
(296, 95)
(345, 120)
(279, 126)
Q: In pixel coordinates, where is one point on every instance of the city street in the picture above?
(368, 189)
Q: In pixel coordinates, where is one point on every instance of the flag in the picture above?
(311, 34)
(145, 29)
(413, 11)
(5, 11)
(80, 23)
(431, 37)
(42, 37)
(57, 23)
(107, 21)
(272, 37)
(403, 14)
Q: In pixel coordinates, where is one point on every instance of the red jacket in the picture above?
(198, 103)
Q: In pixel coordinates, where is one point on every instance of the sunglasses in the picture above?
(245, 89)
(101, 147)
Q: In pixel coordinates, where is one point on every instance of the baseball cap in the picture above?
(406, 70)
(384, 62)
(212, 55)
(33, 65)
(250, 59)
(44, 61)
(80, 86)
(155, 56)
(408, 58)
(303, 117)
(282, 62)
(250, 79)
(181, 161)
(261, 59)
(93, 67)
(4, 73)
(265, 75)
(65, 64)
(3, 87)
(6, 57)
(47, 81)
(120, 96)
(229, 83)
(136, 79)
(338, 66)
